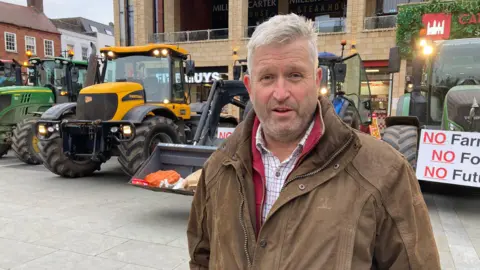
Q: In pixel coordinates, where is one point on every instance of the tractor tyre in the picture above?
(153, 130)
(4, 149)
(405, 140)
(351, 118)
(57, 162)
(25, 142)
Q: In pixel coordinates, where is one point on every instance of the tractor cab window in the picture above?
(356, 87)
(178, 92)
(53, 75)
(7, 74)
(153, 73)
(453, 64)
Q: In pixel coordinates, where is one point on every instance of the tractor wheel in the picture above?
(405, 140)
(25, 143)
(4, 149)
(153, 130)
(55, 160)
(351, 117)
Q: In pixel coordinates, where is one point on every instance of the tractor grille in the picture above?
(5, 101)
(96, 106)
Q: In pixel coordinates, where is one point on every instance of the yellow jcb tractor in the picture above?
(137, 100)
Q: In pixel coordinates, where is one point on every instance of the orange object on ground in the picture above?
(155, 178)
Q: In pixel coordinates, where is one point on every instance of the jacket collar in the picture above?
(238, 147)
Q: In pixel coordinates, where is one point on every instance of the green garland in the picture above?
(409, 22)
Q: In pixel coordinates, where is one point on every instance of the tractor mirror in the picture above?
(340, 70)
(394, 60)
(190, 68)
(237, 71)
(75, 74)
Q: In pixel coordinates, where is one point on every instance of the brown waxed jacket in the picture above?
(353, 203)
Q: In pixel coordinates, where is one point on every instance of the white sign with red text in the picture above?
(450, 157)
(224, 132)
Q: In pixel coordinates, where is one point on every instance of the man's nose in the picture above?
(281, 91)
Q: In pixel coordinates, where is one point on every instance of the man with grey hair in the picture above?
(294, 187)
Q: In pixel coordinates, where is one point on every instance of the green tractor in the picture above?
(50, 81)
(441, 98)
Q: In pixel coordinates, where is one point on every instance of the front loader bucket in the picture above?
(184, 159)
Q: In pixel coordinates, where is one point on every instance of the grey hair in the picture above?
(282, 29)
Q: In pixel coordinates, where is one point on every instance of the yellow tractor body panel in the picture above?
(130, 95)
(180, 110)
(144, 48)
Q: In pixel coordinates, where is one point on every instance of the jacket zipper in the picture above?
(240, 216)
(324, 165)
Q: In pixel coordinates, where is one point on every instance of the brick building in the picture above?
(216, 32)
(25, 28)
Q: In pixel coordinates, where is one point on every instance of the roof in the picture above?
(144, 48)
(83, 26)
(27, 17)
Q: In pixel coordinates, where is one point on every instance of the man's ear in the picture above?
(319, 77)
(248, 83)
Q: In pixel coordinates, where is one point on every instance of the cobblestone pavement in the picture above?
(100, 222)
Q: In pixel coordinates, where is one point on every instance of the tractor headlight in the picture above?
(166, 101)
(127, 130)
(50, 129)
(114, 129)
(110, 54)
(42, 129)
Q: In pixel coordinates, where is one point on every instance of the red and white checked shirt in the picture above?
(276, 172)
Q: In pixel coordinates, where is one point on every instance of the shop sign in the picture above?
(437, 25)
(449, 157)
(311, 8)
(203, 77)
(469, 18)
(199, 77)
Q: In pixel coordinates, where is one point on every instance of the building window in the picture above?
(94, 29)
(108, 32)
(84, 53)
(48, 47)
(30, 44)
(10, 42)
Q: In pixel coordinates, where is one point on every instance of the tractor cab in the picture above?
(64, 76)
(159, 68)
(345, 81)
(10, 73)
(444, 91)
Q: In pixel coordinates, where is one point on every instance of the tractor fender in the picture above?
(137, 114)
(56, 111)
(402, 120)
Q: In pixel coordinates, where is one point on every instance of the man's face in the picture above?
(283, 88)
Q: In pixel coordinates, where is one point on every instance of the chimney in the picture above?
(37, 4)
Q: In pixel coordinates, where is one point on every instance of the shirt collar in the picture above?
(261, 143)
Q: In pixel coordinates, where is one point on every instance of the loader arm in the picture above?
(221, 94)
(187, 159)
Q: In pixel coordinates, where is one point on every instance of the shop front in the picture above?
(201, 82)
(380, 88)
